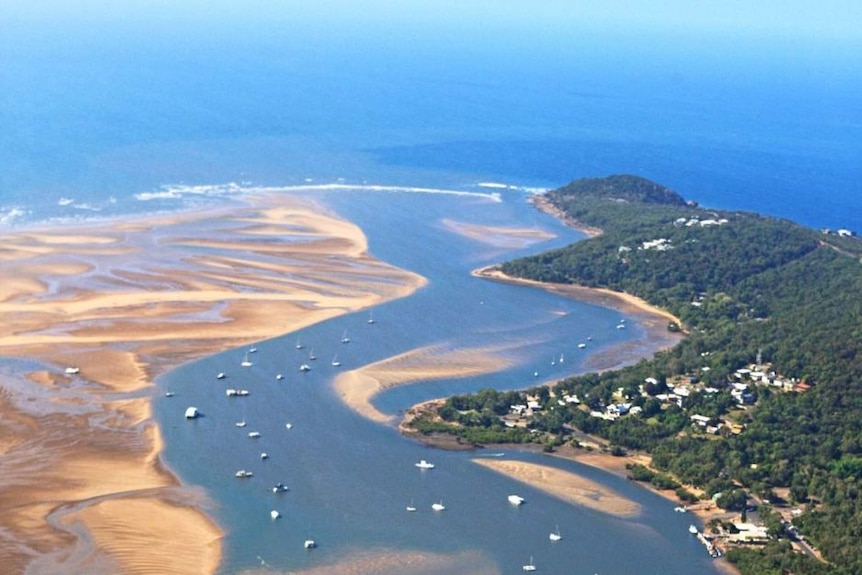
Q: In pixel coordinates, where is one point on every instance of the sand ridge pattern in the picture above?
(123, 301)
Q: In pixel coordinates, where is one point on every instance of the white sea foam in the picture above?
(12, 214)
(182, 191)
(64, 201)
(87, 207)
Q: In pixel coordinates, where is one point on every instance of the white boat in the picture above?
(264, 455)
(529, 566)
(411, 508)
(344, 338)
(254, 434)
(252, 350)
(243, 474)
(221, 375)
(370, 317)
(72, 370)
(242, 392)
(562, 359)
(279, 488)
(192, 413)
(240, 423)
(288, 425)
(422, 464)
(245, 361)
(555, 535)
(680, 509)
(274, 514)
(582, 345)
(692, 529)
(335, 361)
(311, 356)
(516, 499)
(535, 374)
(298, 344)
(438, 506)
(279, 377)
(169, 394)
(230, 392)
(621, 326)
(304, 367)
(310, 544)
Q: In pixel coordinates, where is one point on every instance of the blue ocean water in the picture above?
(107, 112)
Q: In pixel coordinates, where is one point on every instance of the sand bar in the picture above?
(122, 302)
(565, 485)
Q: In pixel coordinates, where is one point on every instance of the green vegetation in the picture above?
(744, 286)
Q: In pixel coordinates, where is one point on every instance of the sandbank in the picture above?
(358, 387)
(82, 487)
(397, 561)
(569, 487)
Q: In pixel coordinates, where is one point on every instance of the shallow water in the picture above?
(350, 479)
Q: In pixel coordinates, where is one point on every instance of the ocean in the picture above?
(106, 112)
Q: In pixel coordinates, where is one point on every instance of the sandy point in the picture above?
(357, 388)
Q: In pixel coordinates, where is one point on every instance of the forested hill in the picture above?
(745, 286)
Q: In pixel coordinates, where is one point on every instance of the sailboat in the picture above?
(529, 566)
(311, 355)
(335, 361)
(410, 507)
(370, 317)
(555, 535)
(245, 361)
(562, 359)
(298, 344)
(438, 506)
(344, 338)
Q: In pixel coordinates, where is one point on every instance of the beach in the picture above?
(99, 310)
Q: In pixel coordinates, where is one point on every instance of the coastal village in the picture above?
(725, 528)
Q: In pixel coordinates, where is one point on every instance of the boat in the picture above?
(274, 514)
(304, 367)
(680, 509)
(310, 544)
(264, 455)
(279, 377)
(370, 317)
(254, 434)
(73, 370)
(298, 344)
(240, 423)
(562, 359)
(344, 338)
(245, 361)
(621, 326)
(516, 499)
(692, 529)
(221, 375)
(311, 356)
(438, 506)
(288, 425)
(252, 350)
(169, 394)
(411, 508)
(335, 361)
(422, 464)
(192, 413)
(582, 345)
(279, 488)
(535, 374)
(230, 392)
(243, 474)
(242, 392)
(529, 566)
(555, 535)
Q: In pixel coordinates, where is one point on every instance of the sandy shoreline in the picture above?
(123, 302)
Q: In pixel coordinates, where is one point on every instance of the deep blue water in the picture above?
(114, 111)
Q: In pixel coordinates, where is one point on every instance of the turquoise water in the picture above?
(350, 479)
